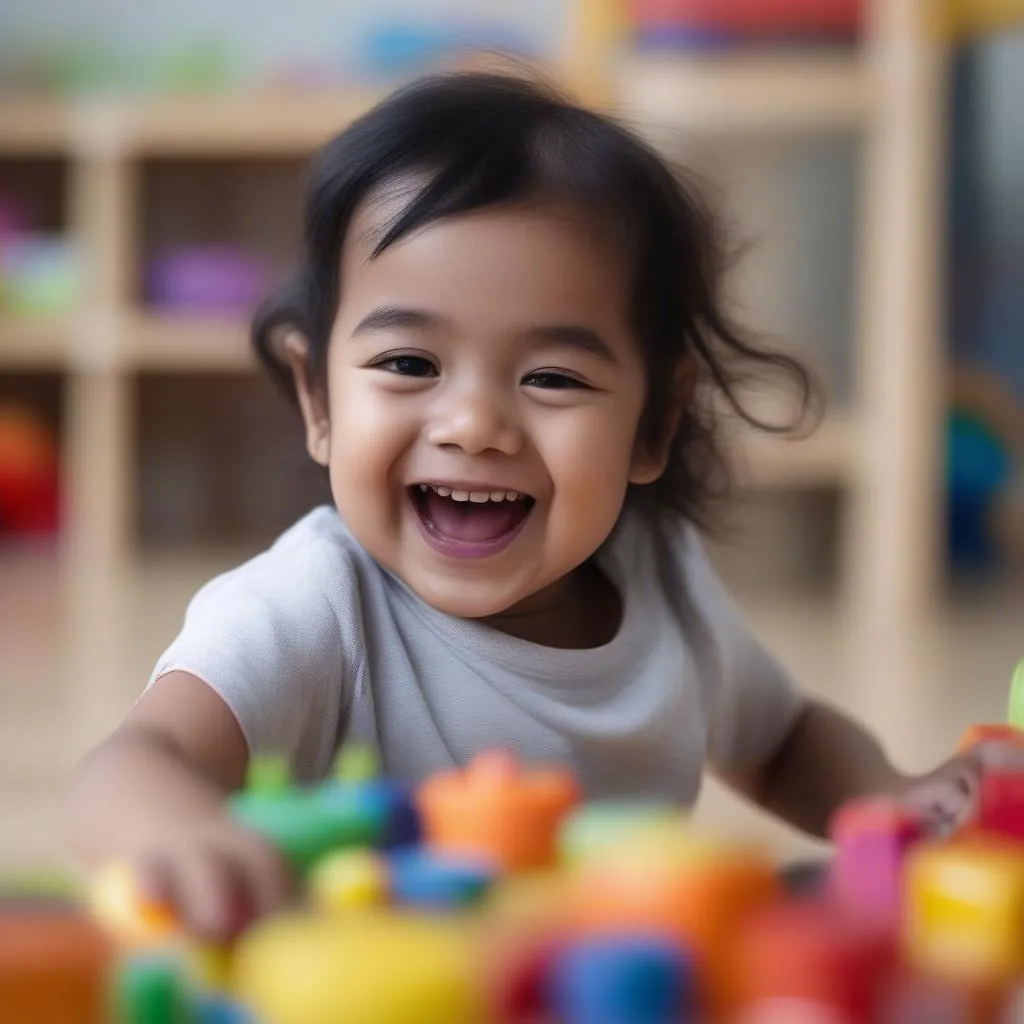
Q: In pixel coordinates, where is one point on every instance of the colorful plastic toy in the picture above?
(496, 811)
(966, 911)
(557, 912)
(872, 838)
(29, 474)
(53, 967)
(206, 279)
(1017, 698)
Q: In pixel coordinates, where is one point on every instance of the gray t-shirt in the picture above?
(312, 642)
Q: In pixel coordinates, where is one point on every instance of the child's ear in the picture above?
(650, 460)
(312, 400)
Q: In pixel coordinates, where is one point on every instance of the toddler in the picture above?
(507, 341)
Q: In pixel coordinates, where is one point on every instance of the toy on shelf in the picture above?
(206, 279)
(29, 475)
(695, 24)
(428, 906)
(985, 474)
(39, 272)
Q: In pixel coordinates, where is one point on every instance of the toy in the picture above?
(53, 966)
(804, 952)
(661, 23)
(872, 838)
(493, 811)
(29, 474)
(565, 912)
(966, 911)
(206, 279)
(985, 456)
(1017, 698)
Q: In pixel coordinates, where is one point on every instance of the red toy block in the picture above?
(54, 968)
(872, 838)
(801, 951)
(1001, 804)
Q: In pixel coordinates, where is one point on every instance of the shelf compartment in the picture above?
(768, 93)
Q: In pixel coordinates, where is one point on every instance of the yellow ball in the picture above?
(370, 968)
(348, 880)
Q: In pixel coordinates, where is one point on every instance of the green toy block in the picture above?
(1017, 698)
(356, 763)
(307, 824)
(152, 990)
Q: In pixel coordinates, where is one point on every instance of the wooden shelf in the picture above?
(827, 458)
(154, 341)
(33, 343)
(34, 126)
(235, 124)
(742, 93)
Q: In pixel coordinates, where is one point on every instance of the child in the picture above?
(507, 342)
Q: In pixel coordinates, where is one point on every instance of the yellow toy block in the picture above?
(348, 880)
(965, 913)
(371, 968)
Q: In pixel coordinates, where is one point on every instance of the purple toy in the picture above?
(207, 279)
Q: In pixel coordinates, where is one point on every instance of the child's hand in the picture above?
(214, 875)
(948, 797)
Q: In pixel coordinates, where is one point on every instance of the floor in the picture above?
(974, 643)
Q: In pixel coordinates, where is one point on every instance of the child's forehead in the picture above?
(382, 208)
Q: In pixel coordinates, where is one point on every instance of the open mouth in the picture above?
(470, 523)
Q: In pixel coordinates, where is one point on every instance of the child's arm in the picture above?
(153, 794)
(825, 760)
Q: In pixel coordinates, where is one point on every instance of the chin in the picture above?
(467, 602)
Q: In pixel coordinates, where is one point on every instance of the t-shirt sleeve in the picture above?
(268, 641)
(753, 701)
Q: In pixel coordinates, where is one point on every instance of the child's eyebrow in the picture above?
(392, 318)
(571, 336)
(575, 336)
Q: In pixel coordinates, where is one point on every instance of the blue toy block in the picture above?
(215, 1010)
(422, 879)
(623, 980)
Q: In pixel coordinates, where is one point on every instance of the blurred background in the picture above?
(867, 158)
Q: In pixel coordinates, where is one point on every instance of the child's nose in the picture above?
(475, 423)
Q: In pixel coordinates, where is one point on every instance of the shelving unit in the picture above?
(761, 93)
(883, 452)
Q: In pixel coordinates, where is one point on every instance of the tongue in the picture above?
(472, 521)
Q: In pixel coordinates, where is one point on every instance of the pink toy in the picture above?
(872, 838)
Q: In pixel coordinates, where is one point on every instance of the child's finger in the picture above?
(998, 755)
(264, 872)
(206, 891)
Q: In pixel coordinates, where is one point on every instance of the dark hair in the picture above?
(482, 139)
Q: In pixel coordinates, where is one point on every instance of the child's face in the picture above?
(488, 353)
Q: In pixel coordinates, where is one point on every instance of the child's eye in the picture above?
(550, 380)
(407, 366)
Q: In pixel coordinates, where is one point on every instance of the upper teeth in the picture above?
(477, 496)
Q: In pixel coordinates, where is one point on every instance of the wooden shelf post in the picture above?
(893, 541)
